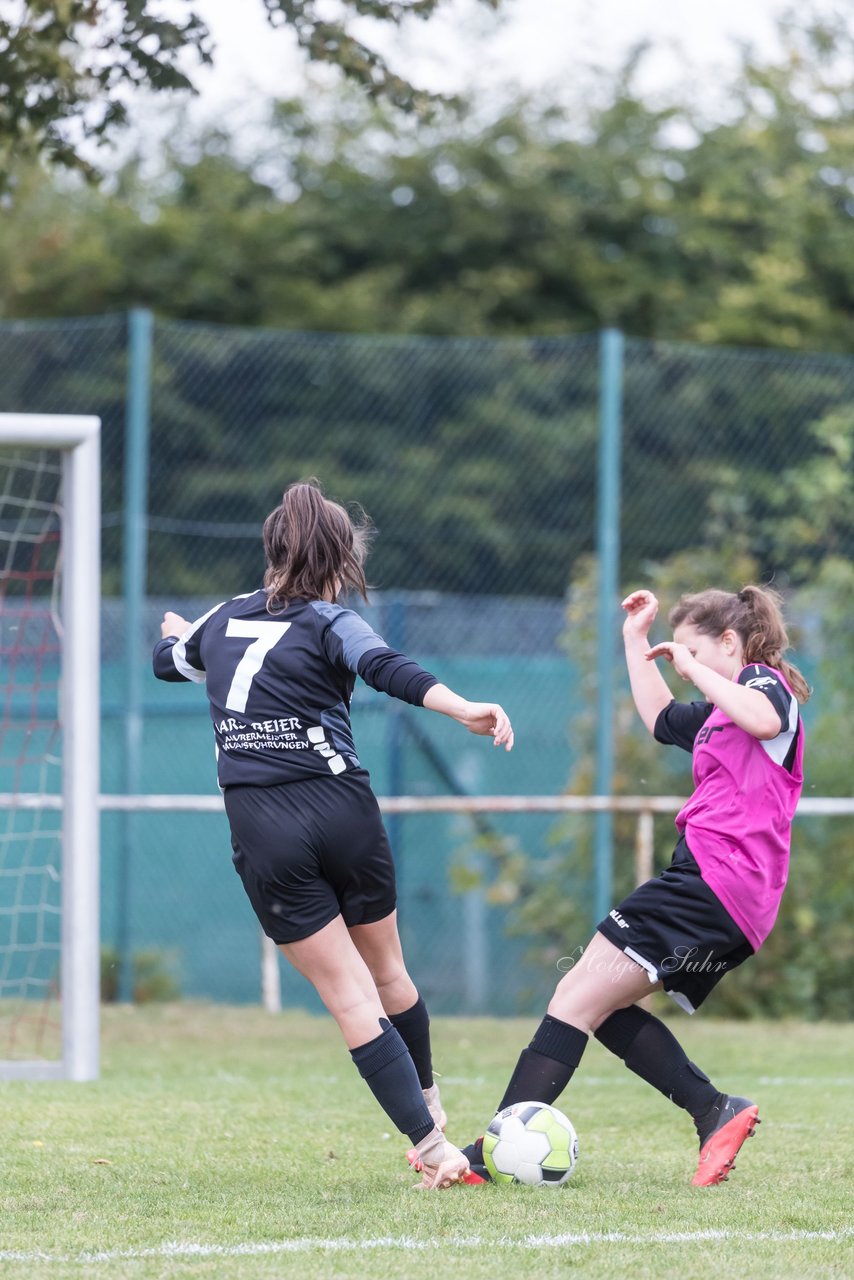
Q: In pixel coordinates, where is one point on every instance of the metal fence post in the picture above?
(135, 565)
(644, 846)
(611, 347)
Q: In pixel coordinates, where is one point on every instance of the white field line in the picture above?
(842, 1082)
(178, 1249)
(824, 1081)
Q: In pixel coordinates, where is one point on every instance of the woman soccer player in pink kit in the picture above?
(716, 903)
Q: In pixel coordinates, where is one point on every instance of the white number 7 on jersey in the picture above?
(265, 636)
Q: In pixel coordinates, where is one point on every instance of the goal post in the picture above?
(76, 441)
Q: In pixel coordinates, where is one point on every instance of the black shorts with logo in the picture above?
(677, 929)
(309, 850)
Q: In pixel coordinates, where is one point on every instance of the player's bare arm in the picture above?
(488, 719)
(649, 689)
(748, 708)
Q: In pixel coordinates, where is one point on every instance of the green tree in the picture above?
(542, 221)
(66, 65)
(69, 62)
(332, 41)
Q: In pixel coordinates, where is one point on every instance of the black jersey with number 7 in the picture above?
(279, 684)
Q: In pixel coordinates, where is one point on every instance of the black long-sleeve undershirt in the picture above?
(393, 673)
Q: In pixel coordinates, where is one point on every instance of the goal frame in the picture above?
(77, 437)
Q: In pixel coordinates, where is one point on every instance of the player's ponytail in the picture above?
(755, 614)
(767, 639)
(314, 547)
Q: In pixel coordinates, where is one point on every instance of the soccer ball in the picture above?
(530, 1143)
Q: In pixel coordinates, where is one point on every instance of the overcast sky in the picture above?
(532, 43)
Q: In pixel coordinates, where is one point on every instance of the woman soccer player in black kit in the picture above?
(279, 665)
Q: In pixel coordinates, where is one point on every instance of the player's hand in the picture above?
(489, 720)
(173, 625)
(641, 608)
(679, 656)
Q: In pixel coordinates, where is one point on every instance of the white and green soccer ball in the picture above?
(530, 1143)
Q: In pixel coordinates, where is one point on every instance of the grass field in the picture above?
(226, 1143)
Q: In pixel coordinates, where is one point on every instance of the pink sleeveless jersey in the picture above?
(738, 821)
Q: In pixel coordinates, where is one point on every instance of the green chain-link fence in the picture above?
(481, 464)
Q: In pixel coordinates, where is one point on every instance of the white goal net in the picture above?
(49, 569)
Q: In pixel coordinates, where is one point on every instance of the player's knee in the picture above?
(574, 1002)
(398, 992)
(351, 1005)
(573, 1011)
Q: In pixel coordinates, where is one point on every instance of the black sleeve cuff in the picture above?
(161, 661)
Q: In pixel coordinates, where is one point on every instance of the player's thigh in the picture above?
(602, 980)
(379, 946)
(332, 964)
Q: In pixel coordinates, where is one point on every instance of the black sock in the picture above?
(542, 1073)
(474, 1153)
(414, 1027)
(387, 1069)
(652, 1052)
(545, 1068)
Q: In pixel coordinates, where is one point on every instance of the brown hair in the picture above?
(755, 614)
(313, 546)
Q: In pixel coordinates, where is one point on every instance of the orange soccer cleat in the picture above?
(738, 1120)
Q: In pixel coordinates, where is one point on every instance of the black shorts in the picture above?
(311, 850)
(679, 931)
